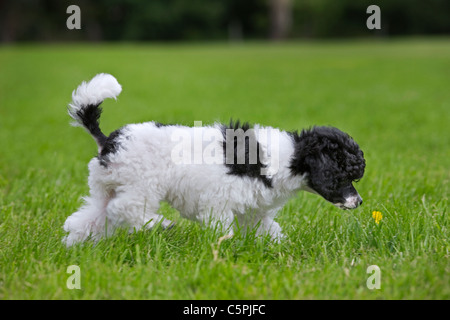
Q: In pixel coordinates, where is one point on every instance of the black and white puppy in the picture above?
(220, 174)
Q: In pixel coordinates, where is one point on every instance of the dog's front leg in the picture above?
(221, 220)
(263, 222)
(269, 226)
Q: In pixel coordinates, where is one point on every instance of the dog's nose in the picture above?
(360, 200)
(353, 202)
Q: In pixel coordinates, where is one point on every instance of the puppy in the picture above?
(219, 175)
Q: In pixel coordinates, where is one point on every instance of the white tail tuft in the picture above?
(100, 87)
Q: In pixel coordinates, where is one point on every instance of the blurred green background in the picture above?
(138, 20)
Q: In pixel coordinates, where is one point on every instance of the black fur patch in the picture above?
(110, 146)
(248, 169)
(90, 116)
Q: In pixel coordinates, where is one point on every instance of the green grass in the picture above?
(392, 97)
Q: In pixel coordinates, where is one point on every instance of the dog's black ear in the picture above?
(297, 163)
(312, 145)
(306, 150)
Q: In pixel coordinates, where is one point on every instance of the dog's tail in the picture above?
(86, 99)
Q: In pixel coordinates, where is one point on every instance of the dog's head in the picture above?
(332, 162)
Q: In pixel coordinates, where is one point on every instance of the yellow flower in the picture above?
(377, 216)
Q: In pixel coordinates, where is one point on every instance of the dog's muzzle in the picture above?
(351, 202)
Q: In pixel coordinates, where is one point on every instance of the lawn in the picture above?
(392, 96)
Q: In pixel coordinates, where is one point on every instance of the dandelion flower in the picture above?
(377, 216)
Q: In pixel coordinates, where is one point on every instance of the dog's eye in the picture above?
(356, 180)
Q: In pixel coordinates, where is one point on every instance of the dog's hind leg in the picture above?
(88, 222)
(135, 212)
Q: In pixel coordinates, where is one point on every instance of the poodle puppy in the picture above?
(225, 175)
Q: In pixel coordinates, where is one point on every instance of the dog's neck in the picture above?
(285, 180)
